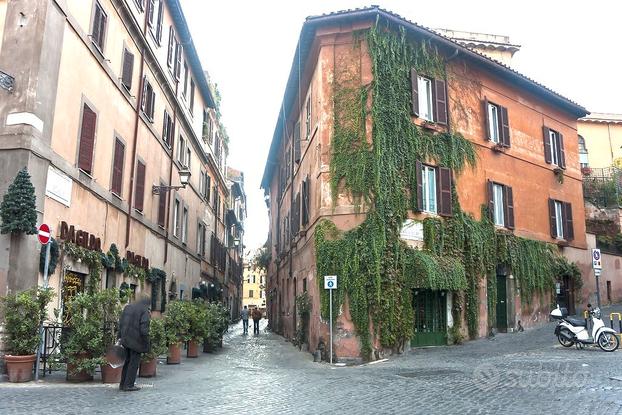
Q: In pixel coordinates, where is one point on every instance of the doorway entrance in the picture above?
(430, 318)
(565, 297)
(502, 304)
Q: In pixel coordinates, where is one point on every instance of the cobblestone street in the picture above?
(523, 373)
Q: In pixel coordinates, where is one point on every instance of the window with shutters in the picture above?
(87, 139)
(305, 202)
(201, 240)
(140, 4)
(168, 130)
(162, 207)
(250, 293)
(583, 155)
(181, 150)
(176, 218)
(297, 144)
(178, 59)
(191, 97)
(185, 90)
(308, 117)
(205, 126)
(501, 204)
(188, 158)
(425, 98)
(154, 18)
(184, 226)
(100, 22)
(208, 188)
(148, 99)
(554, 148)
(493, 122)
(151, 13)
(139, 196)
(117, 167)
(170, 56)
(429, 189)
(127, 70)
(561, 220)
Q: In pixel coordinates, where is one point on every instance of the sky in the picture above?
(571, 46)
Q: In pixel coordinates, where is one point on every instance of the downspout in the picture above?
(170, 178)
(135, 139)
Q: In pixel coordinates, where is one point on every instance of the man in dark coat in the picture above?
(256, 314)
(134, 334)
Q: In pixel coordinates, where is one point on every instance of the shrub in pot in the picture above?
(198, 326)
(176, 326)
(24, 312)
(217, 324)
(83, 346)
(110, 305)
(157, 339)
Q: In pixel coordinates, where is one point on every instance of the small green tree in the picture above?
(18, 206)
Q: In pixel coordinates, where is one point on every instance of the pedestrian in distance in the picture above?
(134, 336)
(256, 317)
(244, 315)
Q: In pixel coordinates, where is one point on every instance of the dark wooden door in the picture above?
(502, 304)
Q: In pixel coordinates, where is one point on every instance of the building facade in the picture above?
(600, 140)
(526, 180)
(106, 104)
(254, 287)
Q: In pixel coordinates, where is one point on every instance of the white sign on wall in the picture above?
(330, 282)
(59, 186)
(412, 230)
(596, 259)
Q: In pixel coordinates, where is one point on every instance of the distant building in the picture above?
(600, 140)
(497, 47)
(254, 287)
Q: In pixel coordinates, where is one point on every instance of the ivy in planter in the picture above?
(157, 276)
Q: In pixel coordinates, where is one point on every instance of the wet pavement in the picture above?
(520, 373)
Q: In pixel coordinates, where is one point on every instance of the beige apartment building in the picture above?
(254, 287)
(105, 102)
(600, 140)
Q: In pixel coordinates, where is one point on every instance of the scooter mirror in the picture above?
(589, 305)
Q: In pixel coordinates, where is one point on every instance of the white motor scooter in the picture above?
(572, 331)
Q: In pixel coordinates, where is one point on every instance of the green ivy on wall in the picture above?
(377, 270)
(92, 259)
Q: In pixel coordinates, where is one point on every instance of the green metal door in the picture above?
(430, 312)
(502, 304)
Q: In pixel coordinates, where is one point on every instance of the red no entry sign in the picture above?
(44, 234)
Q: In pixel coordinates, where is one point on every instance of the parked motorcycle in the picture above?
(572, 331)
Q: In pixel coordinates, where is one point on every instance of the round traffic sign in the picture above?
(44, 234)
(596, 255)
(330, 284)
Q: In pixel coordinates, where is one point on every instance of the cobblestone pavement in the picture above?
(522, 373)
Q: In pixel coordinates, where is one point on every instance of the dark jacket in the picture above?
(134, 327)
(256, 314)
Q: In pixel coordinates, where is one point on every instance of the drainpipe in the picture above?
(170, 178)
(135, 140)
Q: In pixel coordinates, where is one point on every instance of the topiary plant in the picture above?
(176, 322)
(17, 211)
(157, 339)
(24, 312)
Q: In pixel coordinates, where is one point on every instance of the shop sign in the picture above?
(68, 233)
(137, 260)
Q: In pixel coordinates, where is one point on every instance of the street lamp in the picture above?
(184, 179)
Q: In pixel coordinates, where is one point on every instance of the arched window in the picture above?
(583, 159)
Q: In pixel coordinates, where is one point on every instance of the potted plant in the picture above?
(157, 339)
(217, 323)
(176, 327)
(24, 312)
(198, 326)
(83, 345)
(110, 305)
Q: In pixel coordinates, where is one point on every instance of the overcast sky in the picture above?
(571, 46)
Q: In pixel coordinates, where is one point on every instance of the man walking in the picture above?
(256, 318)
(134, 334)
(244, 315)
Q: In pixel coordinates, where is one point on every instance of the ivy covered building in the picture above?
(440, 186)
(107, 106)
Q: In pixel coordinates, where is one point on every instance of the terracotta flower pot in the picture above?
(193, 349)
(78, 376)
(174, 354)
(148, 369)
(110, 374)
(19, 368)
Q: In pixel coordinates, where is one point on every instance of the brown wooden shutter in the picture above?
(504, 127)
(171, 47)
(165, 128)
(162, 207)
(547, 144)
(568, 224)
(159, 23)
(150, 12)
(509, 207)
(208, 189)
(487, 120)
(178, 58)
(440, 99)
(562, 152)
(419, 192)
(143, 96)
(117, 167)
(297, 148)
(491, 199)
(445, 208)
(305, 201)
(414, 86)
(140, 186)
(95, 35)
(87, 139)
(553, 224)
(128, 66)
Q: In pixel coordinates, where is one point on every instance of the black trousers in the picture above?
(130, 369)
(245, 326)
(255, 326)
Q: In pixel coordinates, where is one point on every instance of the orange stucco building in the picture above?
(105, 102)
(527, 170)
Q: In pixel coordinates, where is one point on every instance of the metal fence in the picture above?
(603, 186)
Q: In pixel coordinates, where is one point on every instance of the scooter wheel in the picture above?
(608, 342)
(563, 340)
